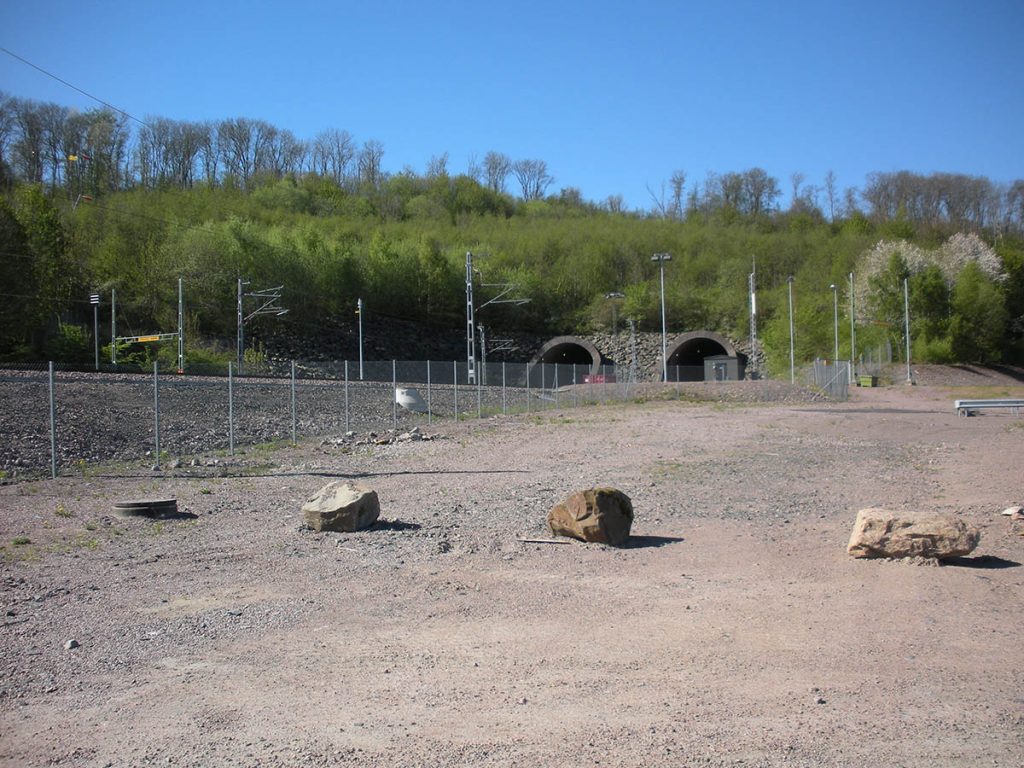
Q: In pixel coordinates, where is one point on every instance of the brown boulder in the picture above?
(883, 533)
(342, 506)
(603, 515)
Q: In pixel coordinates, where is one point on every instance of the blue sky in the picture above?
(613, 96)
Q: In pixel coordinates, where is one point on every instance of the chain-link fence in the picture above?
(833, 377)
(53, 418)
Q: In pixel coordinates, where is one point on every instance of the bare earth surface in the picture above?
(735, 630)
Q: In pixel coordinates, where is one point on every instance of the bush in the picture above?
(71, 344)
(937, 350)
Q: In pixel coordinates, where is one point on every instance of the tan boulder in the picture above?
(602, 515)
(342, 506)
(883, 533)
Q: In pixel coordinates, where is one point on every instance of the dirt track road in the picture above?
(734, 631)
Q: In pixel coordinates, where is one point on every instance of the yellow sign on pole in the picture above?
(148, 338)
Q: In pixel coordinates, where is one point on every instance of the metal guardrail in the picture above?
(964, 407)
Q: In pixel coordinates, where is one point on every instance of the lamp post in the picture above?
(853, 327)
(359, 311)
(613, 297)
(792, 357)
(661, 258)
(906, 325)
(835, 316)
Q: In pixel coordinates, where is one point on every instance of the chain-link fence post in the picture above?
(156, 413)
(294, 441)
(231, 409)
(504, 410)
(430, 404)
(53, 427)
(347, 427)
(527, 388)
(455, 381)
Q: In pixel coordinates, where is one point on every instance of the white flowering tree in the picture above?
(946, 326)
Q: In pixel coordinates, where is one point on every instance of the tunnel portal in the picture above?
(686, 354)
(569, 350)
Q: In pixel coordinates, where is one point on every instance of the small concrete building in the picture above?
(722, 368)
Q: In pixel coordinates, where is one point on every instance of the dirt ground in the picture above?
(734, 630)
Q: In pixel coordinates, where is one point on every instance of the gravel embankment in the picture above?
(111, 417)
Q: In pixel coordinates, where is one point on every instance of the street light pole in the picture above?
(661, 258)
(853, 327)
(835, 316)
(792, 357)
(240, 335)
(359, 311)
(906, 323)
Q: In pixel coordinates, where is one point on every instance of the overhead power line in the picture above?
(74, 87)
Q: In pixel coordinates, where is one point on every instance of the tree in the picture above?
(672, 207)
(979, 317)
(437, 166)
(1015, 205)
(533, 178)
(18, 280)
(761, 191)
(496, 169)
(7, 120)
(369, 164)
(676, 183)
(106, 143)
(332, 154)
(28, 148)
(55, 275)
(614, 204)
(831, 195)
(885, 297)
(440, 283)
(929, 302)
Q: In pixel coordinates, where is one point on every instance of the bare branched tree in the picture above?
(831, 194)
(497, 167)
(437, 166)
(533, 178)
(369, 163)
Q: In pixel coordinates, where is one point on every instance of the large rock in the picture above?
(603, 515)
(342, 506)
(883, 533)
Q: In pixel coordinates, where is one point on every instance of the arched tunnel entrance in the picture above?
(686, 354)
(564, 360)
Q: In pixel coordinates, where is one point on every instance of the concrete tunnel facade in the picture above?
(569, 350)
(686, 354)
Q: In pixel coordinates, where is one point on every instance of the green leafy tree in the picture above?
(56, 274)
(887, 301)
(979, 317)
(18, 281)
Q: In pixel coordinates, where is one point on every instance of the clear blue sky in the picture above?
(614, 96)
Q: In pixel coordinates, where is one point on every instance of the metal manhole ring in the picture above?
(146, 507)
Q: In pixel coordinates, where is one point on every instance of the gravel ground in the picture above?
(734, 630)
